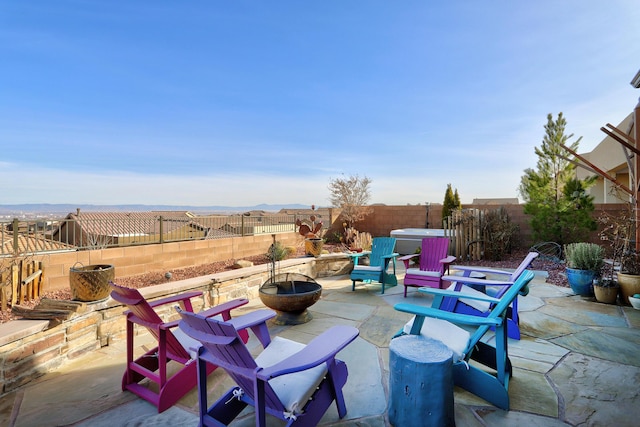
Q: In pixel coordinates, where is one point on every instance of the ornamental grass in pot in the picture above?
(584, 262)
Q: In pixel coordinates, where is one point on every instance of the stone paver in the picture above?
(577, 364)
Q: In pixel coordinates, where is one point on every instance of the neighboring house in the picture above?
(100, 229)
(269, 223)
(497, 202)
(609, 156)
(27, 244)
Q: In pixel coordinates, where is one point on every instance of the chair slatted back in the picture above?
(433, 249)
(500, 309)
(518, 272)
(228, 351)
(140, 308)
(381, 246)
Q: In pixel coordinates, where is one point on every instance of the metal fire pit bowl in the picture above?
(290, 294)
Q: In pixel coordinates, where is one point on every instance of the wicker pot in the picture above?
(629, 285)
(91, 283)
(313, 247)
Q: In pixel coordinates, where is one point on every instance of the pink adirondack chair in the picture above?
(291, 381)
(172, 345)
(433, 262)
(467, 284)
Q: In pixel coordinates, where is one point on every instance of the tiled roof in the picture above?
(130, 223)
(29, 244)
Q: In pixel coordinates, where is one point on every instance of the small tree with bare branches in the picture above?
(351, 195)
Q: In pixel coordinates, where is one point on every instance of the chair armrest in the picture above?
(392, 255)
(252, 319)
(322, 348)
(479, 269)
(457, 294)
(448, 260)
(464, 319)
(257, 322)
(475, 281)
(224, 308)
(175, 298)
(356, 256)
(407, 257)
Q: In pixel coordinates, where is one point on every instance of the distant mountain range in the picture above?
(63, 209)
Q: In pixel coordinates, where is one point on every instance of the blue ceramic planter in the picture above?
(581, 281)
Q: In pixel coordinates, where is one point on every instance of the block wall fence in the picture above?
(135, 260)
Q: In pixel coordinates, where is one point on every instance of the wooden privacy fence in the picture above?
(21, 281)
(464, 228)
(481, 234)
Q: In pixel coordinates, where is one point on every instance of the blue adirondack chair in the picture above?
(475, 286)
(291, 381)
(433, 262)
(382, 254)
(493, 384)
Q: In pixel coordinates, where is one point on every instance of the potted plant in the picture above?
(620, 232)
(311, 230)
(629, 275)
(583, 263)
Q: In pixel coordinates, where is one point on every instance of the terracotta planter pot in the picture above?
(606, 295)
(629, 285)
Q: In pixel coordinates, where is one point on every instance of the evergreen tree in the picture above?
(560, 210)
(451, 202)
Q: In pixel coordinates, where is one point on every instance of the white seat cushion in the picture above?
(418, 272)
(366, 268)
(293, 389)
(482, 306)
(451, 335)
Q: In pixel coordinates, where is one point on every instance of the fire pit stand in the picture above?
(289, 294)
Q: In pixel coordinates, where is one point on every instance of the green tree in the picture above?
(560, 209)
(451, 202)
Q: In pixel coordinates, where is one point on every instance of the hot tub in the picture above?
(410, 239)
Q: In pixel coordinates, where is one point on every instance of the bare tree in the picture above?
(351, 195)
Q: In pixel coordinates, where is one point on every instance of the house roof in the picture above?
(498, 201)
(28, 243)
(130, 223)
(608, 155)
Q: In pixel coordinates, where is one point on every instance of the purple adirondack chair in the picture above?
(173, 345)
(291, 381)
(477, 286)
(432, 265)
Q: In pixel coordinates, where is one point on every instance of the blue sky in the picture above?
(238, 103)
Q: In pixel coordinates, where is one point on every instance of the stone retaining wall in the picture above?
(30, 348)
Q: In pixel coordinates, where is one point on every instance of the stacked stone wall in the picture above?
(30, 348)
